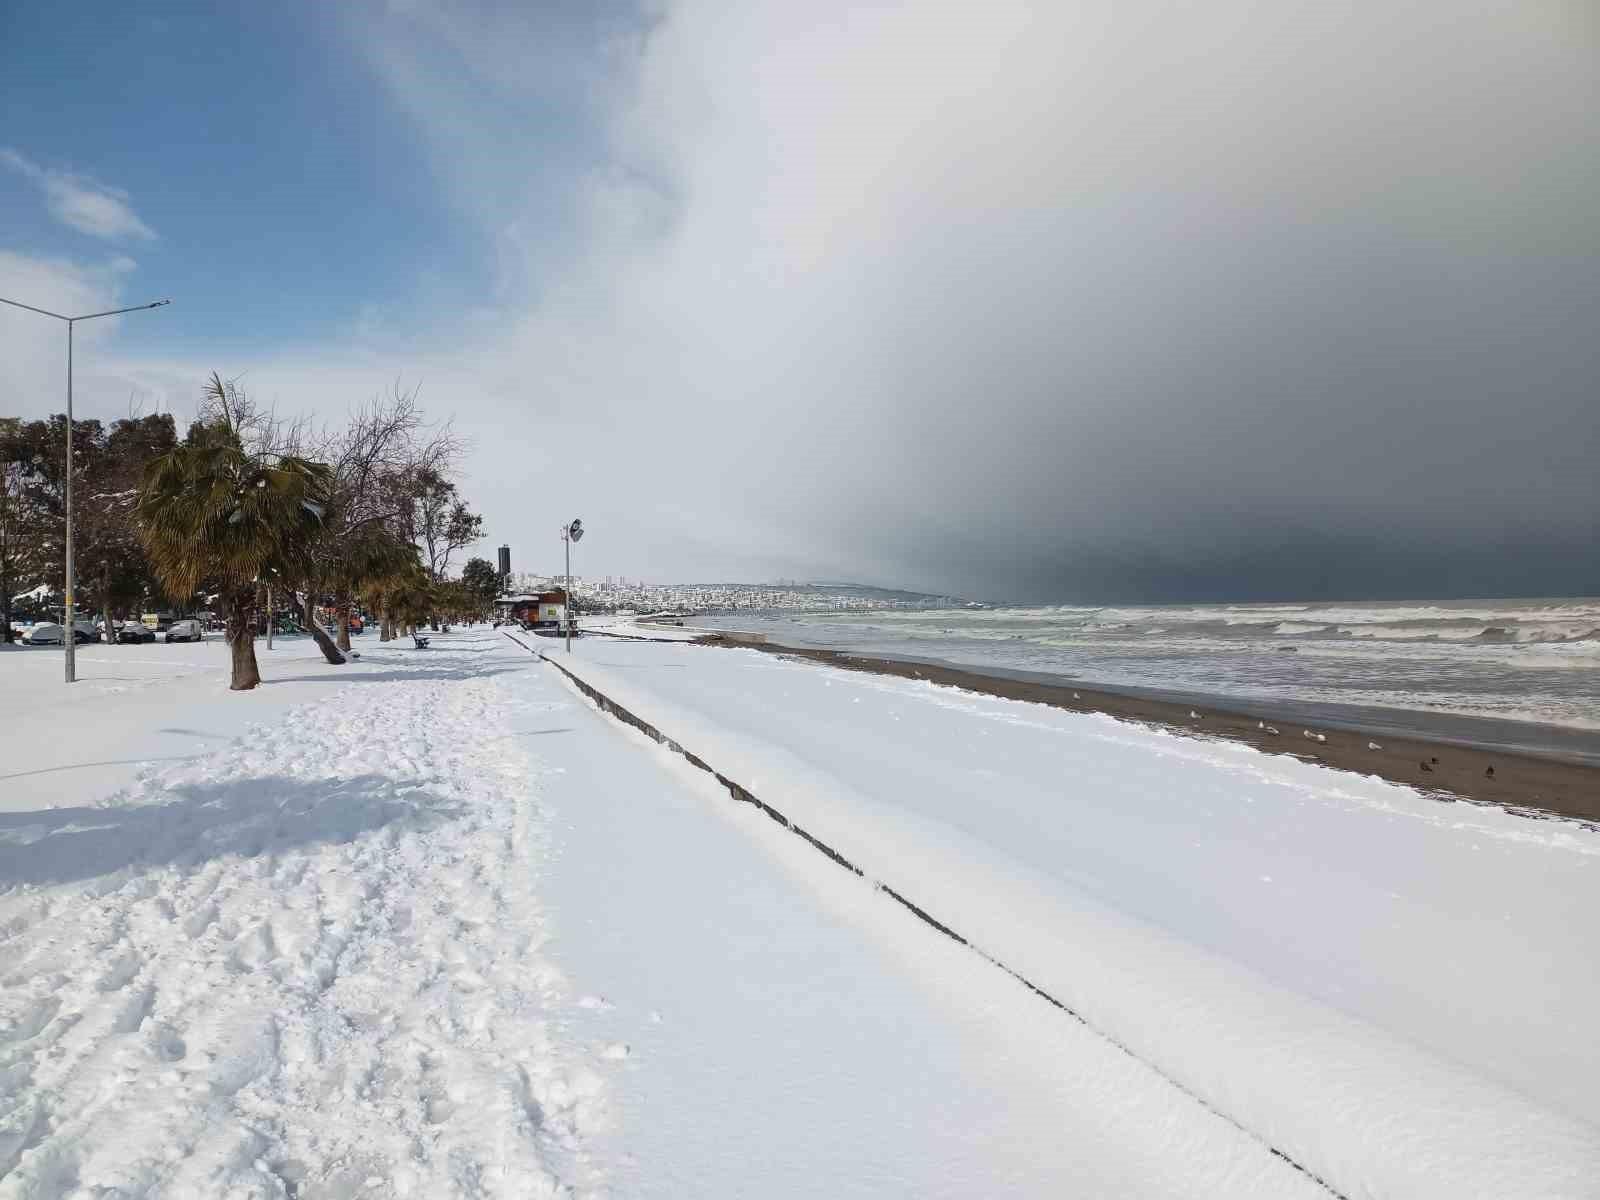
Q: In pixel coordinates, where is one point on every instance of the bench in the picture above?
(422, 642)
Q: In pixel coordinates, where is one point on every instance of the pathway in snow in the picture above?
(307, 964)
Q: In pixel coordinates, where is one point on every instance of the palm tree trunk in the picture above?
(324, 642)
(241, 633)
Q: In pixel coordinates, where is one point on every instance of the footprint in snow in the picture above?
(616, 1051)
(596, 1003)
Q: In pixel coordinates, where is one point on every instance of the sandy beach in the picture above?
(1533, 784)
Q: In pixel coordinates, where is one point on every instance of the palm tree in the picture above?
(218, 512)
(401, 599)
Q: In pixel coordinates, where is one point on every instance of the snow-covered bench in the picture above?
(422, 642)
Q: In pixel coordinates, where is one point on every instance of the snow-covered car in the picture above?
(185, 631)
(134, 632)
(45, 633)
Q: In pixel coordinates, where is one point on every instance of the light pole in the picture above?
(70, 640)
(570, 533)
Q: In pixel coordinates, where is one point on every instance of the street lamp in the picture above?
(71, 627)
(570, 533)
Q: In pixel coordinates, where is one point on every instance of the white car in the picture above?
(185, 631)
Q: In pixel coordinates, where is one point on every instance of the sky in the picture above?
(1078, 301)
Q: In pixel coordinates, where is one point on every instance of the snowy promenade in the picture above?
(432, 925)
(1395, 991)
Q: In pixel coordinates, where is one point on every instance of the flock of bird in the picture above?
(1311, 735)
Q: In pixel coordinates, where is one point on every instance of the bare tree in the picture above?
(376, 459)
(444, 523)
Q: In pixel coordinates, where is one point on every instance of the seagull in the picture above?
(1374, 746)
(1075, 696)
(1426, 767)
(1193, 716)
(1315, 737)
(1489, 772)
(1272, 729)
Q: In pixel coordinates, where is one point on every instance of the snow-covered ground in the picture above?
(432, 925)
(138, 705)
(1396, 991)
(639, 627)
(304, 962)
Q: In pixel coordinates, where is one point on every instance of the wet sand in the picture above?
(1532, 784)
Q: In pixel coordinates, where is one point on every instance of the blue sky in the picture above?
(1066, 300)
(289, 194)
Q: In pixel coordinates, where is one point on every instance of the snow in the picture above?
(430, 924)
(639, 627)
(790, 1034)
(63, 742)
(305, 960)
(1333, 961)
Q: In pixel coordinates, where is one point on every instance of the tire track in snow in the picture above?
(307, 965)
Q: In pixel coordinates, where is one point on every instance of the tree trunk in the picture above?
(324, 642)
(342, 602)
(241, 633)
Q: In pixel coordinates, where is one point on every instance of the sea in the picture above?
(1521, 674)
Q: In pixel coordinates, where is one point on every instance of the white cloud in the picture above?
(33, 348)
(83, 203)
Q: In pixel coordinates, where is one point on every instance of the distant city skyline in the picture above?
(1020, 301)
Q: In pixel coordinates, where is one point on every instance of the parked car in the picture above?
(355, 624)
(187, 630)
(48, 633)
(134, 633)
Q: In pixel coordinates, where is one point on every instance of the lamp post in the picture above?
(71, 640)
(570, 533)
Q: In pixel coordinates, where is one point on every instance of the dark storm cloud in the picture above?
(1091, 300)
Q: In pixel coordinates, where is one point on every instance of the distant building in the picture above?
(541, 610)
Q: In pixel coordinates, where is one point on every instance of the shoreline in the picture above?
(1529, 783)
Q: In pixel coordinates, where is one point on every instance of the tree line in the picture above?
(244, 514)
